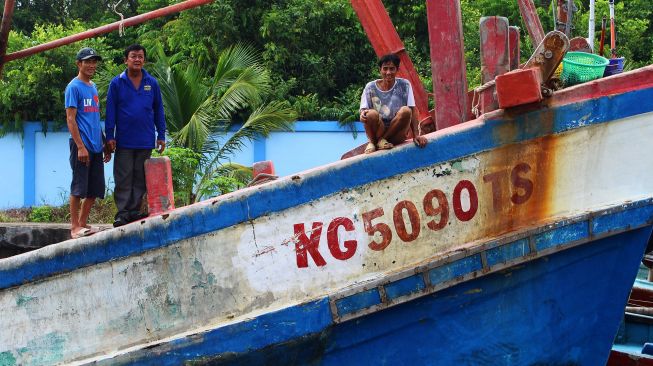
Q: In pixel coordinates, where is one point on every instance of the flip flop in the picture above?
(383, 144)
(370, 148)
(81, 233)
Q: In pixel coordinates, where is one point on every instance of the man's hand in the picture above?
(420, 141)
(111, 146)
(363, 116)
(82, 155)
(160, 146)
(107, 153)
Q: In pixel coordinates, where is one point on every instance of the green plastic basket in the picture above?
(581, 67)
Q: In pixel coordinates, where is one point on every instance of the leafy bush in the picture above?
(184, 163)
(41, 214)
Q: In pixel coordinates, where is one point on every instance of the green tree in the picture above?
(201, 111)
(31, 89)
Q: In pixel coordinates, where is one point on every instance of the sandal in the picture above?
(370, 148)
(81, 233)
(383, 144)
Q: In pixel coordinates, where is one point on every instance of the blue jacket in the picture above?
(133, 114)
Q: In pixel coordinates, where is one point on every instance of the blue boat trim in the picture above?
(493, 256)
(302, 188)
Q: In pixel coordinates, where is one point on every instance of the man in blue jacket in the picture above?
(134, 112)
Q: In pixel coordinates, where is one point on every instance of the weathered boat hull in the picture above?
(560, 309)
(514, 191)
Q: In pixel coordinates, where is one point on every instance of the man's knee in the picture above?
(372, 116)
(405, 112)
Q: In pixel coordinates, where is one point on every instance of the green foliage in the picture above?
(41, 214)
(32, 88)
(315, 54)
(184, 163)
(201, 111)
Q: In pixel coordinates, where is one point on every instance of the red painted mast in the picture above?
(5, 26)
(532, 21)
(185, 5)
(384, 39)
(447, 62)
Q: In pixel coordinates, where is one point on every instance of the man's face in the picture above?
(135, 60)
(388, 71)
(87, 67)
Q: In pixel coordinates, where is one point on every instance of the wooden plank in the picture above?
(447, 62)
(513, 43)
(532, 21)
(495, 56)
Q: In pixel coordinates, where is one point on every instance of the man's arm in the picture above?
(82, 153)
(159, 121)
(110, 121)
(414, 127)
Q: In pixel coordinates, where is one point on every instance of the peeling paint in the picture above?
(7, 359)
(23, 300)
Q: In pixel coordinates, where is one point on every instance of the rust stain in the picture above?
(520, 178)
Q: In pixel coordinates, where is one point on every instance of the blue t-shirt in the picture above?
(134, 114)
(84, 98)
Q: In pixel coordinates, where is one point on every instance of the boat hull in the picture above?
(562, 309)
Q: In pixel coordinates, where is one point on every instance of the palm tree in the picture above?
(201, 110)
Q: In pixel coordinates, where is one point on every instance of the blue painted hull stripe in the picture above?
(508, 252)
(361, 300)
(186, 223)
(455, 269)
(404, 287)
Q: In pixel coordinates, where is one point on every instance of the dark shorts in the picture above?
(88, 181)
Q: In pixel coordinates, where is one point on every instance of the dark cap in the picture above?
(87, 53)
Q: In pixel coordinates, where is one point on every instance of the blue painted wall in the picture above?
(35, 170)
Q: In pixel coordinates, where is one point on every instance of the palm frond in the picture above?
(265, 119)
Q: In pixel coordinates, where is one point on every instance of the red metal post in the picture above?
(185, 5)
(158, 180)
(513, 43)
(561, 15)
(532, 21)
(384, 38)
(5, 27)
(495, 56)
(447, 62)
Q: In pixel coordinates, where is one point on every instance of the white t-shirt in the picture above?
(388, 103)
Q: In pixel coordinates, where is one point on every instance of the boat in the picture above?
(632, 344)
(511, 239)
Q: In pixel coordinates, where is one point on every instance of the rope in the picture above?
(476, 100)
(121, 27)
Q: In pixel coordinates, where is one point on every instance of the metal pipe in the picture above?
(591, 26)
(613, 41)
(185, 5)
(5, 27)
(570, 16)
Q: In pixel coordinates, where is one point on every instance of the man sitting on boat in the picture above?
(388, 108)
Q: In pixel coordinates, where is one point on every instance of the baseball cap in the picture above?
(87, 53)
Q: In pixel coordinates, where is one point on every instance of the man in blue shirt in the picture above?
(86, 145)
(134, 112)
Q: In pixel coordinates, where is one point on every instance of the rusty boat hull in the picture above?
(508, 240)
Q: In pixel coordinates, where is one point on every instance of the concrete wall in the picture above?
(35, 169)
